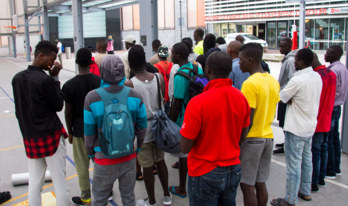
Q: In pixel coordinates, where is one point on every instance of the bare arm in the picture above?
(69, 120)
(175, 109)
(243, 136)
(129, 83)
(186, 144)
(252, 112)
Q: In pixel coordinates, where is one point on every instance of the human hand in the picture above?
(290, 102)
(71, 138)
(54, 71)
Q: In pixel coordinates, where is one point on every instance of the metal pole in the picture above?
(46, 29)
(180, 21)
(344, 136)
(78, 27)
(302, 23)
(27, 38)
(13, 12)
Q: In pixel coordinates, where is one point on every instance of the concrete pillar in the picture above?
(46, 27)
(148, 25)
(344, 134)
(27, 38)
(78, 27)
(13, 12)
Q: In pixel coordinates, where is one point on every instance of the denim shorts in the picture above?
(255, 157)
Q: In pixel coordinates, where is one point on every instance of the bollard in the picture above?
(68, 52)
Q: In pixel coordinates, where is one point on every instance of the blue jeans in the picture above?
(319, 153)
(218, 187)
(298, 158)
(167, 107)
(334, 144)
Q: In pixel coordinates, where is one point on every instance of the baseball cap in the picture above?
(163, 51)
(130, 39)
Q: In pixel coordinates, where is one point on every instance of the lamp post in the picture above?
(180, 21)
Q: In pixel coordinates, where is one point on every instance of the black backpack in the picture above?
(197, 81)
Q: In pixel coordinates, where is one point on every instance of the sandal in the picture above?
(154, 170)
(304, 197)
(175, 165)
(4, 196)
(182, 196)
(139, 176)
(280, 202)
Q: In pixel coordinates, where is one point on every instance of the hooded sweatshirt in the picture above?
(288, 69)
(113, 77)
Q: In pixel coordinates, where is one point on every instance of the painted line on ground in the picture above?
(16, 64)
(5, 97)
(44, 187)
(11, 147)
(326, 180)
(7, 94)
(12, 115)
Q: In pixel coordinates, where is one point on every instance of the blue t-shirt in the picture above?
(181, 90)
(237, 76)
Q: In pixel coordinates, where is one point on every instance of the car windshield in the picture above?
(251, 37)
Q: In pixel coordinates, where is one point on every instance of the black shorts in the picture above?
(281, 114)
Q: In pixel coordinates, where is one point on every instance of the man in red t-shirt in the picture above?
(214, 123)
(164, 66)
(320, 138)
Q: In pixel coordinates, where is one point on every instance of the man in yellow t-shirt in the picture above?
(198, 37)
(262, 92)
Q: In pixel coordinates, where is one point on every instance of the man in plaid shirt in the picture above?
(37, 99)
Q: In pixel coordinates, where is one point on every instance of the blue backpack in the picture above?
(63, 49)
(117, 135)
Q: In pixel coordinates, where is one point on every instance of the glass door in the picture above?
(271, 35)
(282, 31)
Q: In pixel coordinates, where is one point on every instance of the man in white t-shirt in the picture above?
(59, 46)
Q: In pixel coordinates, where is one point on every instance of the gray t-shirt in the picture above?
(149, 93)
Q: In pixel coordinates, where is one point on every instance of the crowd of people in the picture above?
(226, 134)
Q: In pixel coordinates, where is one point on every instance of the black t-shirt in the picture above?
(75, 90)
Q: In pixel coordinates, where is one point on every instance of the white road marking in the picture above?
(6, 111)
(16, 63)
(326, 180)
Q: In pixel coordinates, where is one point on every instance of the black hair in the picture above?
(240, 38)
(182, 50)
(306, 55)
(91, 48)
(187, 39)
(287, 41)
(252, 50)
(199, 32)
(337, 50)
(220, 40)
(45, 47)
(260, 47)
(136, 57)
(209, 42)
(83, 57)
(156, 43)
(201, 59)
(220, 63)
(103, 43)
(188, 44)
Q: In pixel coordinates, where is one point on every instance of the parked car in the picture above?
(248, 38)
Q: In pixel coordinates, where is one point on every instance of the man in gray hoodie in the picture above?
(286, 73)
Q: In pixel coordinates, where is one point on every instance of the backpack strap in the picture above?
(159, 92)
(195, 68)
(160, 68)
(184, 74)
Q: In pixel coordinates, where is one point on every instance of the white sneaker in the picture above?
(111, 197)
(145, 202)
(167, 200)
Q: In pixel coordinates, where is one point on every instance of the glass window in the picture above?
(200, 13)
(232, 28)
(251, 37)
(321, 34)
(282, 31)
(192, 14)
(249, 29)
(136, 18)
(216, 30)
(337, 29)
(271, 35)
(127, 18)
(224, 29)
(241, 28)
(160, 13)
(169, 14)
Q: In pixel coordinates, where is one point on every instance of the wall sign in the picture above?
(309, 12)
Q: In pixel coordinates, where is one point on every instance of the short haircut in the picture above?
(136, 57)
(209, 42)
(201, 59)
(260, 47)
(252, 50)
(188, 44)
(240, 38)
(45, 47)
(103, 43)
(220, 63)
(182, 50)
(306, 55)
(199, 32)
(156, 43)
(220, 40)
(287, 40)
(84, 57)
(337, 50)
(187, 39)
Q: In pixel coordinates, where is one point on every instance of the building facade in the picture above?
(272, 20)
